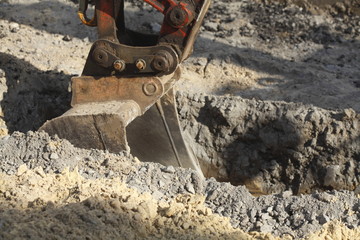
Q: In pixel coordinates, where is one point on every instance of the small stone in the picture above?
(286, 194)
(46, 156)
(161, 183)
(168, 169)
(323, 218)
(326, 197)
(211, 26)
(330, 178)
(269, 209)
(155, 27)
(3, 132)
(21, 170)
(40, 171)
(89, 158)
(190, 188)
(357, 190)
(340, 7)
(201, 61)
(157, 194)
(349, 113)
(4, 139)
(212, 195)
(186, 225)
(54, 156)
(14, 27)
(143, 169)
(265, 228)
(7, 194)
(86, 40)
(265, 216)
(2, 73)
(67, 38)
(115, 204)
(105, 163)
(110, 174)
(3, 35)
(252, 215)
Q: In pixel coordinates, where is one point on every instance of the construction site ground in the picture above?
(269, 103)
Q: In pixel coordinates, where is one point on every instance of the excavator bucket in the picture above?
(157, 135)
(117, 126)
(124, 99)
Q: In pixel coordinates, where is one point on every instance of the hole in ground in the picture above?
(273, 146)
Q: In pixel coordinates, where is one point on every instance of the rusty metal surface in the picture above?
(104, 53)
(182, 20)
(105, 19)
(95, 125)
(145, 91)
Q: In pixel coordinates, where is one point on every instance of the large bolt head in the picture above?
(177, 16)
(160, 63)
(180, 15)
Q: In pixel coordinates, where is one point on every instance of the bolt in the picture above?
(162, 61)
(180, 16)
(119, 65)
(140, 64)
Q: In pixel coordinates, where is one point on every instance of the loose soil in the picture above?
(269, 102)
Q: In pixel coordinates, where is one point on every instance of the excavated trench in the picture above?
(273, 146)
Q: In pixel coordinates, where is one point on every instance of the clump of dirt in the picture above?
(38, 149)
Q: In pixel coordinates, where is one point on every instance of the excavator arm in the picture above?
(124, 99)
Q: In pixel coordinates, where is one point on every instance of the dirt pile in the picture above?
(38, 205)
(280, 214)
(37, 149)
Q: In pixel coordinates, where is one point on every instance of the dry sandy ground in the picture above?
(59, 206)
(286, 70)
